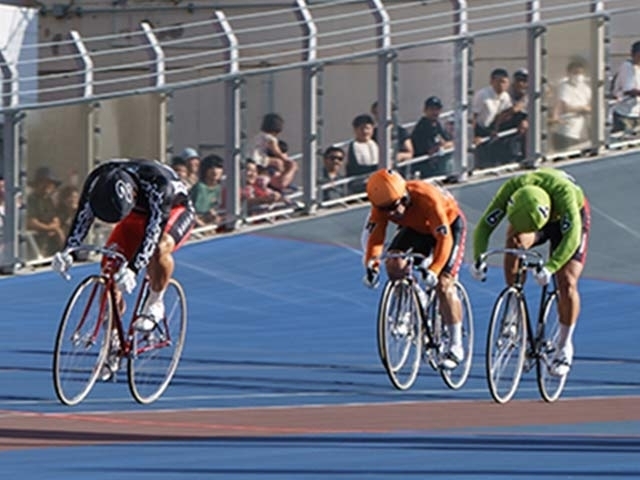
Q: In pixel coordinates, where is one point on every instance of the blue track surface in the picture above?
(282, 322)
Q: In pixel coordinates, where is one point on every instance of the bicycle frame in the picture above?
(548, 290)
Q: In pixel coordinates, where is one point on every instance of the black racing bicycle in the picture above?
(514, 343)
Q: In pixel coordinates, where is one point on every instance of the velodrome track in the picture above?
(280, 376)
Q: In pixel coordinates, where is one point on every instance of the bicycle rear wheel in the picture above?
(155, 355)
(457, 377)
(549, 385)
(506, 345)
(82, 342)
(400, 333)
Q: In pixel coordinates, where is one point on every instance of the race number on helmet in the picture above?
(529, 209)
(385, 187)
(112, 195)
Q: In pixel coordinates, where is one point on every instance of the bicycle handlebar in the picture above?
(108, 252)
(409, 254)
(529, 258)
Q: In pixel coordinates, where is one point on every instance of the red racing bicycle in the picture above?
(92, 334)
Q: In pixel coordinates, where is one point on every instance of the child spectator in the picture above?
(255, 191)
(206, 195)
(179, 165)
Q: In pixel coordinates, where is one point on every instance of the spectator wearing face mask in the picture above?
(572, 108)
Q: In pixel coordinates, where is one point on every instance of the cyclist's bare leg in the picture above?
(450, 306)
(515, 240)
(396, 267)
(161, 265)
(568, 298)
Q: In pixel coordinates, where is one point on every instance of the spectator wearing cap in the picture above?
(626, 88)
(404, 147)
(192, 157)
(429, 137)
(42, 217)
(207, 194)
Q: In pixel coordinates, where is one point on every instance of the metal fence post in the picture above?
(156, 53)
(385, 82)
(233, 147)
(461, 79)
(309, 108)
(534, 90)
(598, 75)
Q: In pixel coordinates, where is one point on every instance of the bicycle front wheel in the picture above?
(506, 345)
(549, 385)
(457, 377)
(400, 333)
(82, 342)
(155, 355)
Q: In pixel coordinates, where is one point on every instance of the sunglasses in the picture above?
(394, 206)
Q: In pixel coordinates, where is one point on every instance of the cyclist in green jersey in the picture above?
(542, 205)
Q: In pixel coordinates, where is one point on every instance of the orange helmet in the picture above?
(385, 187)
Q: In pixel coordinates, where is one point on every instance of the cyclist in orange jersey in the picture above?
(431, 223)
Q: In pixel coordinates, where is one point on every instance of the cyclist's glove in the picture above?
(542, 276)
(479, 270)
(62, 262)
(372, 276)
(125, 279)
(429, 277)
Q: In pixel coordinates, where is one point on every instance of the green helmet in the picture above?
(528, 209)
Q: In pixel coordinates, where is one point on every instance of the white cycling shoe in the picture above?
(150, 317)
(453, 357)
(562, 361)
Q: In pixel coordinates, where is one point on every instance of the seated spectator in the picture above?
(192, 157)
(429, 137)
(570, 114)
(333, 160)
(68, 199)
(265, 149)
(626, 88)
(42, 217)
(281, 174)
(488, 103)
(207, 195)
(404, 147)
(179, 165)
(362, 152)
(255, 191)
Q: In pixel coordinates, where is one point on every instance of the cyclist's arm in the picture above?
(373, 235)
(571, 229)
(158, 215)
(492, 216)
(441, 231)
(84, 217)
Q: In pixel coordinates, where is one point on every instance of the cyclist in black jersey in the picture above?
(153, 214)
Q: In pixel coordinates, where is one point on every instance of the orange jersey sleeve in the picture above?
(375, 231)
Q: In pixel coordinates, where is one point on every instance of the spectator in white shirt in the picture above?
(626, 113)
(489, 102)
(572, 108)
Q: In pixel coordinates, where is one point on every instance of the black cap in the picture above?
(522, 73)
(433, 102)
